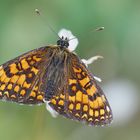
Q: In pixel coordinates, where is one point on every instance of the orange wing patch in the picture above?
(20, 79)
(57, 102)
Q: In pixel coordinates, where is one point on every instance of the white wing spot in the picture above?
(107, 108)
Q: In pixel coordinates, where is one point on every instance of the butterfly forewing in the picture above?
(83, 99)
(21, 78)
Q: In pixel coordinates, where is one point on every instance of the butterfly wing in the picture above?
(81, 98)
(86, 100)
(21, 78)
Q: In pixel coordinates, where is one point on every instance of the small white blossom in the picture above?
(73, 41)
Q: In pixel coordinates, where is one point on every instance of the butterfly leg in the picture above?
(97, 79)
(91, 60)
(51, 110)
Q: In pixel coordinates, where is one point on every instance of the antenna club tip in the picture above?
(37, 11)
(100, 28)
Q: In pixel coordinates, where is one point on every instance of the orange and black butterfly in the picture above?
(55, 75)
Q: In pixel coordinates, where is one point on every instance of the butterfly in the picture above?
(56, 76)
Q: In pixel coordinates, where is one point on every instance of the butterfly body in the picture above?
(58, 77)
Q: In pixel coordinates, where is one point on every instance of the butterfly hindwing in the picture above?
(20, 78)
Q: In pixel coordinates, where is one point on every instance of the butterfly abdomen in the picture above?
(50, 90)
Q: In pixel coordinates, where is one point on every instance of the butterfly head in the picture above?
(63, 42)
(67, 40)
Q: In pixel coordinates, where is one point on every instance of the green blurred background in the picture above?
(22, 30)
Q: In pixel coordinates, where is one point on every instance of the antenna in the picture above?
(51, 28)
(99, 28)
(96, 29)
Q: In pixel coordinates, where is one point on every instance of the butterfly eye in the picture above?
(67, 44)
(58, 42)
(62, 37)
